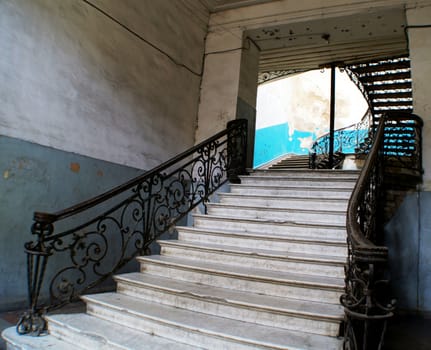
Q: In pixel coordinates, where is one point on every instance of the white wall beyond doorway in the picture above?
(293, 111)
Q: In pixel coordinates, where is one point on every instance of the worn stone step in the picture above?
(198, 329)
(297, 315)
(294, 215)
(306, 173)
(318, 182)
(263, 240)
(319, 265)
(288, 228)
(14, 341)
(310, 203)
(303, 192)
(283, 284)
(91, 332)
(295, 165)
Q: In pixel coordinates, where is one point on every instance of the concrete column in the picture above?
(420, 52)
(229, 84)
(247, 93)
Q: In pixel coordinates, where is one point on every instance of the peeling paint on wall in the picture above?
(69, 70)
(37, 178)
(75, 167)
(301, 102)
(274, 141)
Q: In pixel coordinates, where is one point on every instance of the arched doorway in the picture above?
(293, 111)
(305, 46)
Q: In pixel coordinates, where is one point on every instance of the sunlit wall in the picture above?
(292, 112)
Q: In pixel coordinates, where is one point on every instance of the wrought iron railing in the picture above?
(350, 139)
(355, 79)
(78, 248)
(402, 143)
(366, 302)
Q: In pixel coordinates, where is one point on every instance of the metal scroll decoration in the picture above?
(366, 302)
(265, 77)
(352, 139)
(82, 247)
(355, 79)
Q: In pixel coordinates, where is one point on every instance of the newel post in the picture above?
(236, 149)
(32, 322)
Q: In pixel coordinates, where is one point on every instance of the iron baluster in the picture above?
(38, 253)
(366, 302)
(94, 239)
(348, 140)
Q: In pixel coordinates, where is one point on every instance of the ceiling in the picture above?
(348, 39)
(221, 5)
(309, 45)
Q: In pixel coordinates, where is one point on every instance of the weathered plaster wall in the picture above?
(35, 177)
(420, 52)
(220, 82)
(74, 79)
(277, 140)
(229, 85)
(247, 93)
(408, 236)
(90, 92)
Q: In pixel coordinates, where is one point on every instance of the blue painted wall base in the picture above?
(38, 178)
(274, 141)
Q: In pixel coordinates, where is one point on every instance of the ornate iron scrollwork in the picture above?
(86, 244)
(366, 303)
(277, 74)
(352, 139)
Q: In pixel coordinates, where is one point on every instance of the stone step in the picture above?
(91, 332)
(294, 165)
(15, 341)
(317, 318)
(283, 214)
(282, 284)
(198, 329)
(291, 191)
(309, 203)
(319, 182)
(288, 228)
(262, 240)
(307, 173)
(318, 265)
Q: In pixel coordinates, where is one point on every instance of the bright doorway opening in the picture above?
(292, 112)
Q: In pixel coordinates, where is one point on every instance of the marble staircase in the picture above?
(263, 269)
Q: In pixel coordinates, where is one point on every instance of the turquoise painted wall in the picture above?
(35, 177)
(274, 141)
